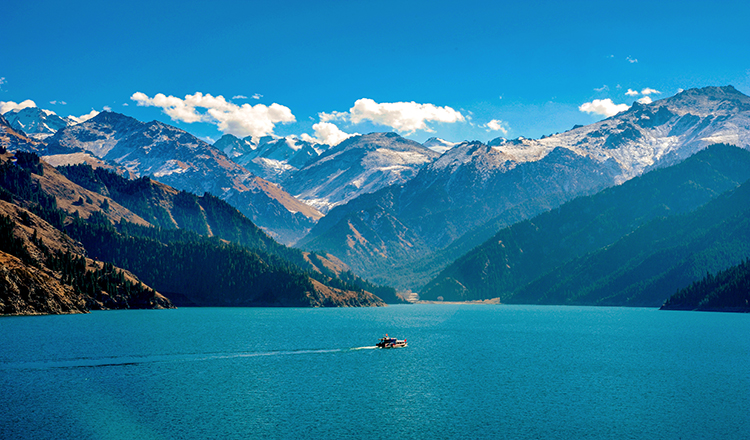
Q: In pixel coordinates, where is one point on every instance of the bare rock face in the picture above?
(27, 290)
(324, 296)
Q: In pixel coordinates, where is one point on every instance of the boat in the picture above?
(388, 342)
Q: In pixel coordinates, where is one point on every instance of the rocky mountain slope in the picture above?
(183, 161)
(43, 270)
(378, 233)
(359, 165)
(12, 139)
(36, 122)
(508, 181)
(273, 159)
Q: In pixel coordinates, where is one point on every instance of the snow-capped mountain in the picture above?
(271, 158)
(473, 183)
(359, 165)
(12, 139)
(439, 145)
(651, 135)
(36, 122)
(179, 159)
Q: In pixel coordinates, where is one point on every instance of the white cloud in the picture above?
(406, 117)
(6, 106)
(333, 116)
(327, 133)
(239, 97)
(497, 125)
(645, 100)
(631, 92)
(58, 102)
(84, 118)
(680, 90)
(632, 60)
(241, 121)
(649, 91)
(603, 107)
(602, 88)
(257, 96)
(107, 108)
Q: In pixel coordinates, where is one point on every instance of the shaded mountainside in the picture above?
(525, 251)
(181, 160)
(646, 266)
(727, 291)
(167, 208)
(191, 269)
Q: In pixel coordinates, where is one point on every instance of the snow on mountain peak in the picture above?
(439, 145)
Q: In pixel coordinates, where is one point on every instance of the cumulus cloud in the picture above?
(257, 96)
(406, 117)
(632, 60)
(631, 92)
(327, 133)
(645, 100)
(333, 116)
(497, 125)
(6, 106)
(603, 107)
(649, 91)
(241, 121)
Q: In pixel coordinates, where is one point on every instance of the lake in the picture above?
(470, 371)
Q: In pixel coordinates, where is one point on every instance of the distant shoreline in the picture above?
(481, 301)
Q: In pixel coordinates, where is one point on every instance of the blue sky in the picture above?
(457, 70)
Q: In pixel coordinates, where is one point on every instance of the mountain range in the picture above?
(416, 216)
(67, 248)
(181, 160)
(474, 189)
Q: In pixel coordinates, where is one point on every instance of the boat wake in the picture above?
(167, 358)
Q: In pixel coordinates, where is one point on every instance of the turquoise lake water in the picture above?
(469, 372)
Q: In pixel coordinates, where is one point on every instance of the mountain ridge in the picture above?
(183, 161)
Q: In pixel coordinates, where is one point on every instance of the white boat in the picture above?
(388, 342)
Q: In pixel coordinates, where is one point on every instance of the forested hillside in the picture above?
(191, 268)
(519, 254)
(728, 290)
